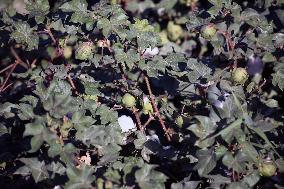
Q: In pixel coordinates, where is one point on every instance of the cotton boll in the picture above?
(218, 104)
(154, 138)
(126, 124)
(254, 65)
(149, 52)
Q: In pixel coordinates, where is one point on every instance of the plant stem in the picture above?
(148, 121)
(135, 111)
(51, 35)
(156, 108)
(7, 78)
(20, 61)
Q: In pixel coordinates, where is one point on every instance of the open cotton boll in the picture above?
(254, 65)
(126, 124)
(149, 52)
(154, 138)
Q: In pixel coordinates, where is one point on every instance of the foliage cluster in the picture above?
(178, 94)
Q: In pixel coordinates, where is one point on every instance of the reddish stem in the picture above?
(148, 121)
(135, 111)
(20, 61)
(9, 74)
(156, 108)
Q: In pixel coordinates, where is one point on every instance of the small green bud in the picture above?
(64, 129)
(174, 31)
(89, 26)
(128, 100)
(108, 184)
(179, 121)
(84, 51)
(51, 52)
(240, 75)
(143, 26)
(220, 151)
(164, 37)
(67, 52)
(209, 31)
(267, 168)
(100, 183)
(147, 106)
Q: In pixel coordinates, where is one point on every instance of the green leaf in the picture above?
(204, 128)
(251, 179)
(148, 178)
(129, 58)
(250, 151)
(35, 167)
(238, 185)
(26, 111)
(106, 115)
(38, 9)
(229, 128)
(80, 13)
(185, 185)
(141, 139)
(56, 168)
(167, 4)
(237, 163)
(105, 139)
(81, 121)
(24, 34)
(105, 25)
(278, 76)
(6, 110)
(278, 39)
(80, 177)
(218, 180)
(3, 129)
(206, 161)
(148, 39)
(39, 133)
(116, 23)
(197, 71)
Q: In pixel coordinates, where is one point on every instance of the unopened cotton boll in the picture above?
(126, 124)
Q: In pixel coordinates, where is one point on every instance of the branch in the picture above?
(156, 108)
(20, 61)
(51, 35)
(148, 121)
(9, 74)
(135, 111)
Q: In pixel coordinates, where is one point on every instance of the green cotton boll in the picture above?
(267, 168)
(147, 106)
(179, 121)
(220, 151)
(240, 75)
(67, 52)
(51, 52)
(128, 100)
(143, 26)
(89, 26)
(84, 51)
(164, 37)
(209, 31)
(174, 31)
